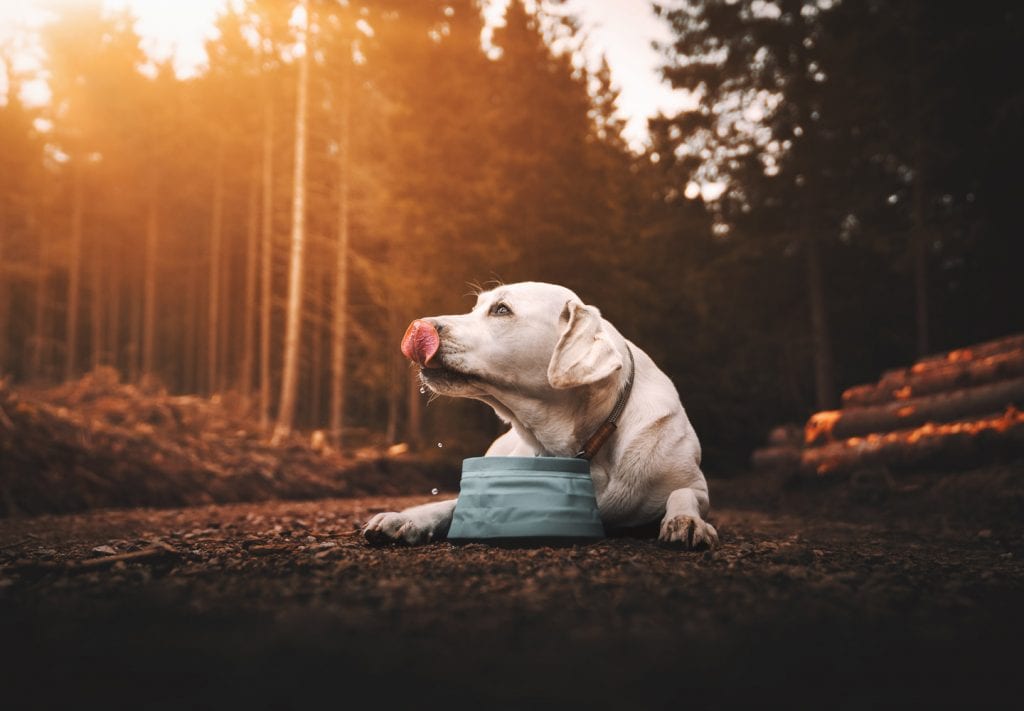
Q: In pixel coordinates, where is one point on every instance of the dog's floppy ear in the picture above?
(585, 353)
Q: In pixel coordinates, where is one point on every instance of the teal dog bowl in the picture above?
(526, 499)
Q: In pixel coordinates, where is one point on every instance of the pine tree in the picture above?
(290, 378)
(339, 331)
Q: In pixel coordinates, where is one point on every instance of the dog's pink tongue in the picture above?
(421, 342)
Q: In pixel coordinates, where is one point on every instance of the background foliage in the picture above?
(878, 142)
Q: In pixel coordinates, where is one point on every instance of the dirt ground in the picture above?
(869, 592)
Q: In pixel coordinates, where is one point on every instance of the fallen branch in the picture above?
(160, 550)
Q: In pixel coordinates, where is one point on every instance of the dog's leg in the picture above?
(414, 526)
(683, 526)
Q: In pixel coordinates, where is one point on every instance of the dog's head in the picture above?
(524, 340)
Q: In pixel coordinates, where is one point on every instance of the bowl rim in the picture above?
(510, 465)
(527, 476)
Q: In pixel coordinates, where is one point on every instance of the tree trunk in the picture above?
(808, 204)
(293, 324)
(824, 383)
(396, 367)
(136, 286)
(190, 338)
(394, 400)
(213, 298)
(225, 357)
(40, 339)
(316, 310)
(96, 303)
(149, 282)
(74, 270)
(252, 246)
(919, 248)
(266, 259)
(115, 281)
(906, 383)
(340, 331)
(5, 311)
(918, 236)
(945, 407)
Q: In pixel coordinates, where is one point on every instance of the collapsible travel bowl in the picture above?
(526, 500)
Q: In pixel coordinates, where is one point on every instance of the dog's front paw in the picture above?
(687, 532)
(393, 527)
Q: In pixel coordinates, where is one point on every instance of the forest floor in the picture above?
(863, 592)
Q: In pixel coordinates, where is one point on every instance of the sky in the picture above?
(622, 30)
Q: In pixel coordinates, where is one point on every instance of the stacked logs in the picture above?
(949, 409)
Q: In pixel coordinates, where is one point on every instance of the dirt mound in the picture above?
(98, 442)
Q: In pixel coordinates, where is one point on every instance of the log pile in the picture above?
(97, 442)
(951, 409)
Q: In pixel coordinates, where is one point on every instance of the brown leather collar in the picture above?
(597, 440)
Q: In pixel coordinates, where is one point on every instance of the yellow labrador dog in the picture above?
(558, 372)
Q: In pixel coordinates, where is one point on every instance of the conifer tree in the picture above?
(293, 314)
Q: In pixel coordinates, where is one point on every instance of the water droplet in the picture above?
(423, 390)
(439, 444)
(434, 492)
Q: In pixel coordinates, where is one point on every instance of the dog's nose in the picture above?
(421, 343)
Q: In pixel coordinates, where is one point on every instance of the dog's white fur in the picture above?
(552, 367)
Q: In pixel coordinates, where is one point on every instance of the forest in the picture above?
(265, 230)
(222, 485)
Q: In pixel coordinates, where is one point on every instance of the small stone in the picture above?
(104, 550)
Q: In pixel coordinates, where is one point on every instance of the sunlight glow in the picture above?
(621, 30)
(174, 30)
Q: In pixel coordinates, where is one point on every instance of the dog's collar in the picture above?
(597, 440)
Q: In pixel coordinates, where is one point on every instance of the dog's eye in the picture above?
(501, 309)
